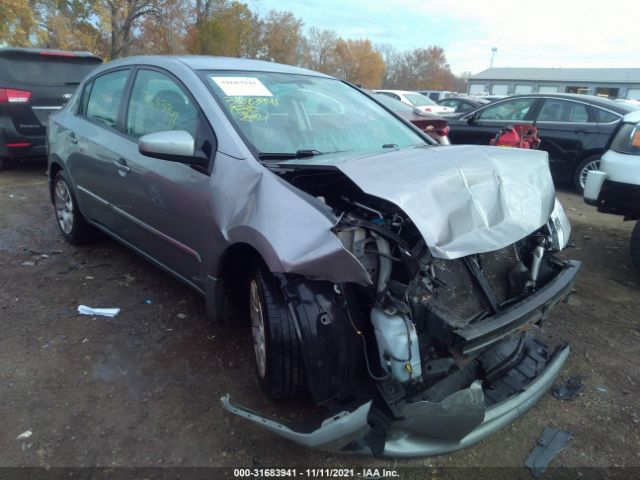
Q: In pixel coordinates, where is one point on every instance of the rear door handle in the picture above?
(121, 164)
(583, 131)
(72, 137)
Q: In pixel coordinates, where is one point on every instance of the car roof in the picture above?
(206, 62)
(633, 117)
(591, 99)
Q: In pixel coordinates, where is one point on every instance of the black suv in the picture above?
(33, 84)
(574, 129)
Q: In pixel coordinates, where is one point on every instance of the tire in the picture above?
(4, 164)
(585, 166)
(71, 222)
(635, 246)
(276, 347)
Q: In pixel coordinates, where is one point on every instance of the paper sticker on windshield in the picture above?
(242, 87)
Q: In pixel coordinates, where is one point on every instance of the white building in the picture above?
(607, 82)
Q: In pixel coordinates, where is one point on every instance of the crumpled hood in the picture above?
(463, 199)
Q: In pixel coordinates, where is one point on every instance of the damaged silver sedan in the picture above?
(398, 283)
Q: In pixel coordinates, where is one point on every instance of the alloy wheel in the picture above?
(257, 328)
(64, 206)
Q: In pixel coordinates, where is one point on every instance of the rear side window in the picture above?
(105, 97)
(159, 104)
(602, 116)
(627, 140)
(555, 110)
(45, 70)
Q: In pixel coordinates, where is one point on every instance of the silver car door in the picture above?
(164, 204)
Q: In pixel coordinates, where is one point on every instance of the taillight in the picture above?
(443, 132)
(10, 95)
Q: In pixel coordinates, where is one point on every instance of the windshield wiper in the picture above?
(297, 154)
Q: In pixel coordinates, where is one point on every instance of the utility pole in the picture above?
(493, 54)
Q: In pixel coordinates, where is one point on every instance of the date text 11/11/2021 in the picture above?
(315, 473)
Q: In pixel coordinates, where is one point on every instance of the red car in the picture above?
(434, 126)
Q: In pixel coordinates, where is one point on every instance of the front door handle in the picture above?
(121, 164)
(72, 137)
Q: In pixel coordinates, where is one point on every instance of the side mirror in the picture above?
(471, 119)
(173, 145)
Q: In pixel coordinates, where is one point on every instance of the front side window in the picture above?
(105, 97)
(556, 110)
(286, 113)
(509, 110)
(158, 104)
(627, 140)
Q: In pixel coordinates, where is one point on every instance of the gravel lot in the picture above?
(143, 388)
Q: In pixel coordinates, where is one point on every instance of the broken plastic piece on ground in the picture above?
(602, 389)
(147, 302)
(569, 389)
(105, 312)
(24, 435)
(550, 443)
(28, 264)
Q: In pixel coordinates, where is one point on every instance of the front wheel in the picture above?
(71, 222)
(580, 176)
(635, 246)
(276, 346)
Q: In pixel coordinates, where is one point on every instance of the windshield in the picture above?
(299, 114)
(419, 100)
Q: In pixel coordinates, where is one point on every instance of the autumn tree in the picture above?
(18, 23)
(231, 30)
(359, 63)
(281, 37)
(69, 25)
(119, 19)
(164, 33)
(320, 50)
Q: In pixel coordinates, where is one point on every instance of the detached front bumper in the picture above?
(458, 421)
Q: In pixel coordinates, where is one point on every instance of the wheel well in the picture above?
(53, 171)
(237, 263)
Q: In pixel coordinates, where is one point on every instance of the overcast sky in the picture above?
(546, 33)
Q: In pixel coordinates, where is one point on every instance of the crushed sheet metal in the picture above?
(450, 420)
(550, 443)
(261, 210)
(342, 429)
(334, 433)
(463, 199)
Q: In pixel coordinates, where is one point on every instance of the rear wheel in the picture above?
(4, 164)
(276, 346)
(72, 224)
(580, 176)
(635, 246)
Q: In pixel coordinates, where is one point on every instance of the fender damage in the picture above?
(430, 353)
